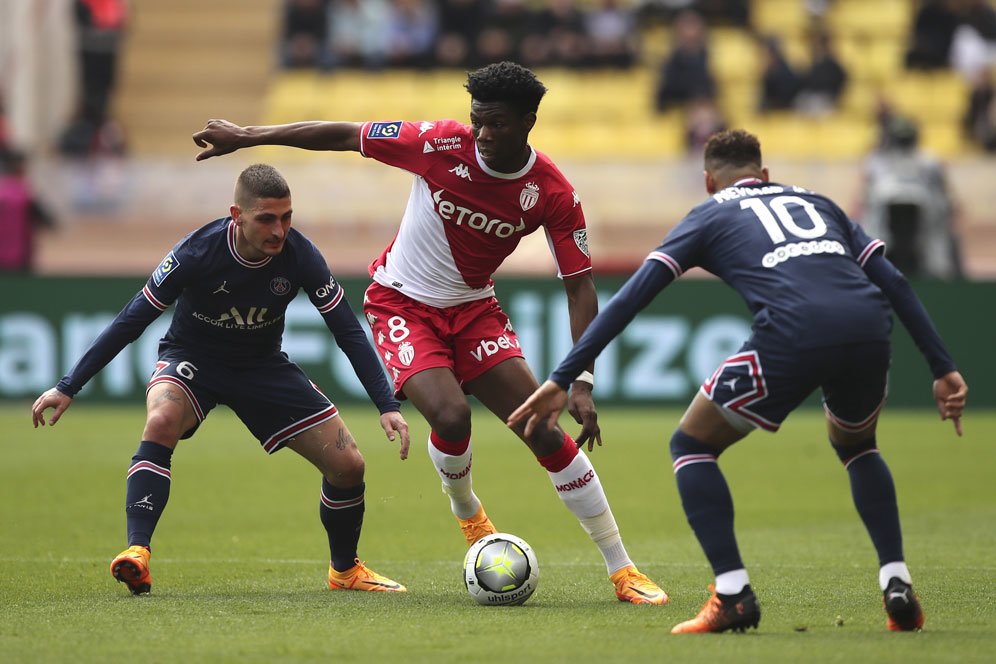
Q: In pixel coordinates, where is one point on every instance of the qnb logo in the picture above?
(455, 476)
(487, 348)
(579, 483)
(325, 290)
(479, 221)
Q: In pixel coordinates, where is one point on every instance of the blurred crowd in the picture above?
(579, 34)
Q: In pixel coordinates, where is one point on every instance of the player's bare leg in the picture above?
(874, 495)
(330, 447)
(169, 414)
(702, 436)
(502, 389)
(439, 398)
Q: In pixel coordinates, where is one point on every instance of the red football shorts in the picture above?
(410, 336)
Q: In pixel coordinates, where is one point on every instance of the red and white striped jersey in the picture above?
(463, 219)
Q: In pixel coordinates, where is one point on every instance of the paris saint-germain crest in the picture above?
(279, 286)
(528, 196)
(406, 353)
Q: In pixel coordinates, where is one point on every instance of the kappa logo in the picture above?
(388, 355)
(424, 127)
(371, 319)
(528, 196)
(380, 338)
(577, 199)
(406, 353)
(462, 171)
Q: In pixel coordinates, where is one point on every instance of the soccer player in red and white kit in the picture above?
(477, 191)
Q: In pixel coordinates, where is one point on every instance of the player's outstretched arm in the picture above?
(225, 137)
(545, 404)
(950, 391)
(395, 426)
(53, 398)
(582, 307)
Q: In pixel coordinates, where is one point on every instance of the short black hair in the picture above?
(260, 181)
(732, 147)
(506, 82)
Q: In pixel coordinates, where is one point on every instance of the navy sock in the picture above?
(874, 497)
(147, 491)
(342, 515)
(707, 501)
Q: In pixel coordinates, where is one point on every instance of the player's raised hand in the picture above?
(221, 135)
(581, 406)
(544, 404)
(950, 391)
(392, 422)
(51, 399)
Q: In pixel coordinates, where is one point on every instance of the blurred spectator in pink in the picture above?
(21, 214)
(685, 75)
(612, 34)
(305, 29)
(824, 81)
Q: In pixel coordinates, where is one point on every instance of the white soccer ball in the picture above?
(500, 570)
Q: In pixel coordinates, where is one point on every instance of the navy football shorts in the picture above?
(760, 386)
(272, 396)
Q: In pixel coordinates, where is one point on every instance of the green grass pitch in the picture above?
(240, 557)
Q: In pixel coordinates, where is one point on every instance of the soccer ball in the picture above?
(500, 570)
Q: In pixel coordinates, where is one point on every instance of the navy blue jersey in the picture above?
(233, 308)
(810, 276)
(794, 257)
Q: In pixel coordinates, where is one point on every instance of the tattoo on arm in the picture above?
(343, 440)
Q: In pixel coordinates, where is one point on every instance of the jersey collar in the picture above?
(506, 176)
(235, 254)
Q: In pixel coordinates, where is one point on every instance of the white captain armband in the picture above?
(585, 377)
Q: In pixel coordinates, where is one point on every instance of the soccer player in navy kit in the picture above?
(820, 291)
(232, 281)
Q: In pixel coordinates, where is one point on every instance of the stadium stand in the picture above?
(186, 61)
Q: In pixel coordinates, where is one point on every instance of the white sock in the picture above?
(454, 471)
(581, 491)
(731, 583)
(890, 570)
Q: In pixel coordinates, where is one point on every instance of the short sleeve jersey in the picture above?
(232, 307)
(795, 258)
(463, 218)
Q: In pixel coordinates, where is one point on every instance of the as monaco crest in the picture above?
(406, 353)
(528, 196)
